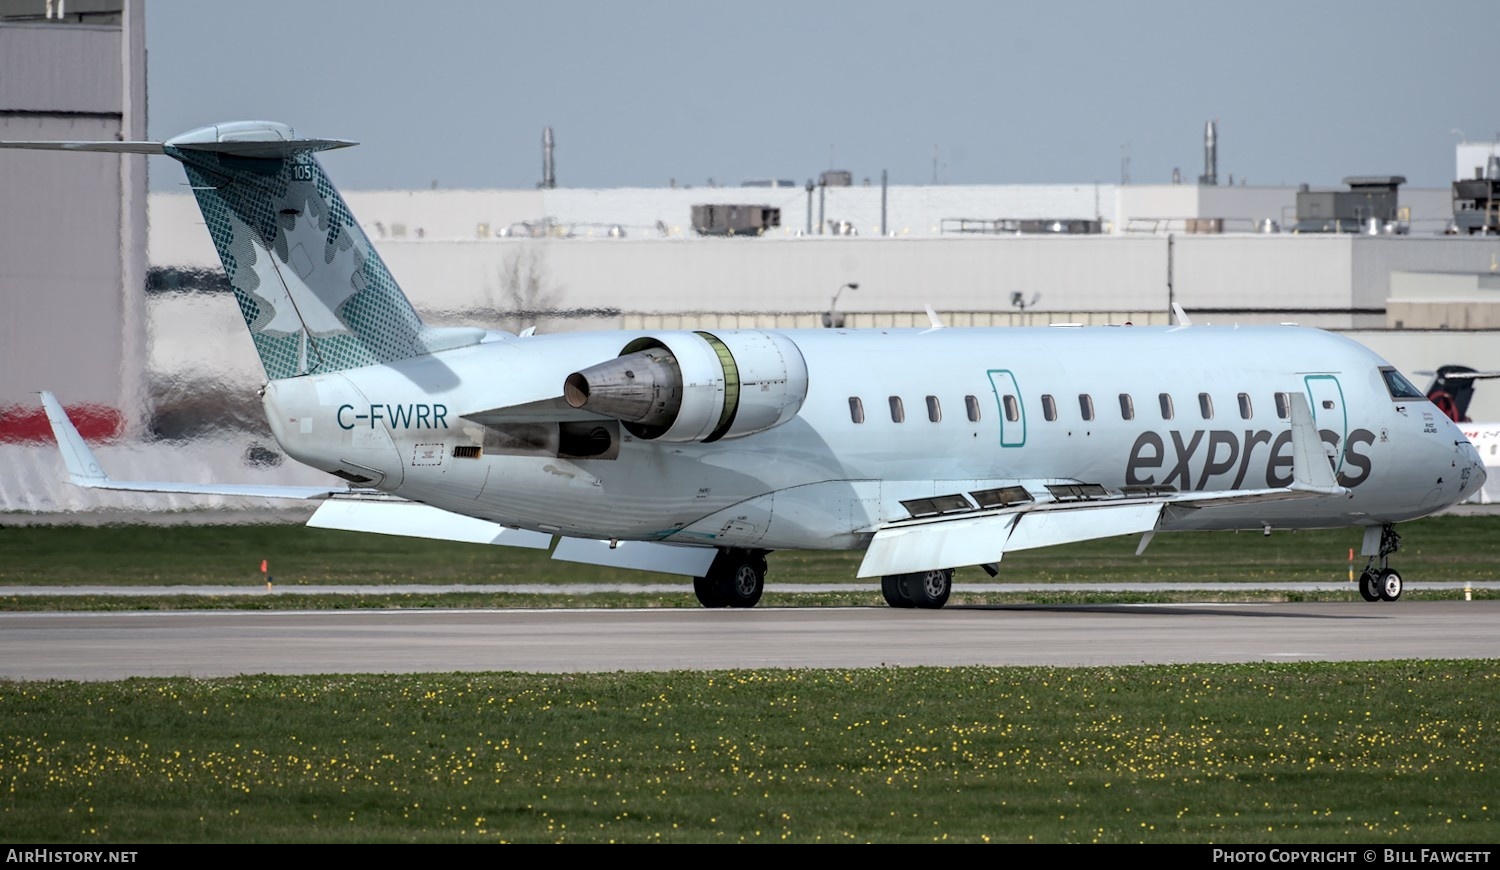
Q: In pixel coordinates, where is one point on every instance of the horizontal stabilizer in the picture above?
(1465, 376)
(383, 516)
(256, 139)
(84, 469)
(638, 555)
(103, 146)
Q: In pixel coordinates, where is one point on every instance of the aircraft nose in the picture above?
(1474, 474)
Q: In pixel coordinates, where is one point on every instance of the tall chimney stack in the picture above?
(549, 176)
(1210, 174)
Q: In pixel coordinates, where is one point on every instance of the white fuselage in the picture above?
(475, 431)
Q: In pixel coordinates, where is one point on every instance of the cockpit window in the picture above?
(1399, 386)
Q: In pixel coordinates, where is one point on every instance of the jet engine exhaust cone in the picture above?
(643, 387)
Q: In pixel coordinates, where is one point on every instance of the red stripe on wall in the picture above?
(19, 424)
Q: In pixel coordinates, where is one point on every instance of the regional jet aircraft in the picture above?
(697, 452)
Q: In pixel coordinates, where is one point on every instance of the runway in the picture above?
(112, 646)
(1454, 586)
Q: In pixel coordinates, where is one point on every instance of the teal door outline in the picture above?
(1012, 432)
(1326, 396)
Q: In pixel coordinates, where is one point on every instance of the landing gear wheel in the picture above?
(1380, 582)
(1389, 584)
(737, 578)
(707, 590)
(895, 596)
(928, 589)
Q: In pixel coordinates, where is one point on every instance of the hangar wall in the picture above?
(73, 226)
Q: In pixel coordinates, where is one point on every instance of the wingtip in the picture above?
(83, 467)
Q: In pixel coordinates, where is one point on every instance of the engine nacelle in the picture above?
(696, 386)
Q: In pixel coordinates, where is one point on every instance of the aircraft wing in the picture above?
(984, 537)
(84, 468)
(353, 510)
(389, 515)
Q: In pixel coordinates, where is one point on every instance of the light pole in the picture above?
(832, 319)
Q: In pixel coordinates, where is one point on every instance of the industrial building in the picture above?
(137, 333)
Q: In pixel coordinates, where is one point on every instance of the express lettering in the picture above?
(413, 416)
(1200, 456)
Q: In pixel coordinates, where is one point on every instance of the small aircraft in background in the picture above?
(698, 452)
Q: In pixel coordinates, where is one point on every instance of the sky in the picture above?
(457, 94)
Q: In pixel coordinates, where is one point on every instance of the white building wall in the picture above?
(1285, 277)
(72, 269)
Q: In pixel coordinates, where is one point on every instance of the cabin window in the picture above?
(1283, 406)
(1012, 409)
(1245, 412)
(1206, 405)
(971, 404)
(934, 410)
(1166, 405)
(1127, 407)
(856, 409)
(1049, 407)
(1086, 406)
(898, 412)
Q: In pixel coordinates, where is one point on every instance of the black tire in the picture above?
(891, 587)
(707, 590)
(1369, 586)
(928, 589)
(1389, 584)
(747, 582)
(737, 578)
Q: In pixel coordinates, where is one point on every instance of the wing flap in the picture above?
(1049, 528)
(979, 540)
(949, 544)
(681, 559)
(413, 520)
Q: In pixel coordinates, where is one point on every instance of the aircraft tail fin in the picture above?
(313, 291)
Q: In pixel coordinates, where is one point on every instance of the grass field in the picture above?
(1400, 753)
(1385, 753)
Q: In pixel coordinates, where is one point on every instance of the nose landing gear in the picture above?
(1382, 583)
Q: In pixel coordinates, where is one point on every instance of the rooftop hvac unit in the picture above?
(734, 220)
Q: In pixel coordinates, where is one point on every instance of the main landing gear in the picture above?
(1383, 583)
(928, 589)
(735, 579)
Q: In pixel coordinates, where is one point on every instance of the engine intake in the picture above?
(696, 386)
